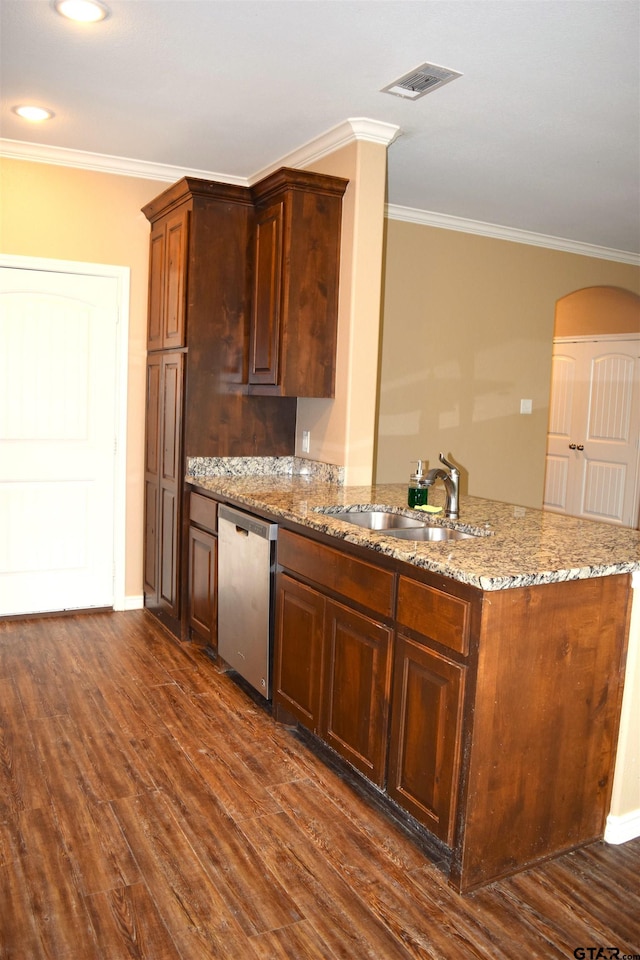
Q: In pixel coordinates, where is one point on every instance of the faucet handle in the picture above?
(447, 464)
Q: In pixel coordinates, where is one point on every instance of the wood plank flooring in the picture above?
(149, 808)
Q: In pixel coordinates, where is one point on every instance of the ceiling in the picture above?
(541, 133)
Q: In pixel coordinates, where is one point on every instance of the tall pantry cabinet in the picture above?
(197, 403)
(165, 375)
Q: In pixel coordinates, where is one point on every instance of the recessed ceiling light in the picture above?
(85, 11)
(34, 114)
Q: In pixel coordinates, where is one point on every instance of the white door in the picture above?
(594, 426)
(58, 339)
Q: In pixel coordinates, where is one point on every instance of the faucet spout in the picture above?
(451, 482)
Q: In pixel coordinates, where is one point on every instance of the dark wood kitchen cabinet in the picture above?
(501, 718)
(202, 590)
(294, 314)
(244, 283)
(427, 704)
(163, 482)
(298, 650)
(198, 315)
(424, 752)
(332, 668)
(167, 283)
(357, 676)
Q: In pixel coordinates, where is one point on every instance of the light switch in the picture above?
(526, 406)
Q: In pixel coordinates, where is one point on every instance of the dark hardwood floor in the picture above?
(149, 808)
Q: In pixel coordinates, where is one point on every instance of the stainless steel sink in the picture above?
(378, 519)
(398, 525)
(432, 532)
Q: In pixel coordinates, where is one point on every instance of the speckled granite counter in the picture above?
(517, 546)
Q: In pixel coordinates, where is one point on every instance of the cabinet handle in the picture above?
(580, 446)
(572, 446)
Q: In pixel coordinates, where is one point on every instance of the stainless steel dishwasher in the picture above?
(246, 569)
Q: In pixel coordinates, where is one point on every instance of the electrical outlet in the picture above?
(306, 441)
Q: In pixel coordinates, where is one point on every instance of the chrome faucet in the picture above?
(451, 482)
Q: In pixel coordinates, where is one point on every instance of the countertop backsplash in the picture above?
(264, 466)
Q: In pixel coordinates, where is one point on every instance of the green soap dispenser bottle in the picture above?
(418, 492)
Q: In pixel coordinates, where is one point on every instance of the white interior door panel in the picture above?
(58, 345)
(592, 467)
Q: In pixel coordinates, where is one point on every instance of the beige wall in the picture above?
(468, 323)
(66, 214)
(343, 429)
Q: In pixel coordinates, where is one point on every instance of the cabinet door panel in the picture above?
(334, 570)
(169, 549)
(171, 417)
(357, 680)
(152, 479)
(151, 541)
(176, 273)
(298, 650)
(444, 618)
(203, 585)
(170, 480)
(152, 462)
(156, 288)
(203, 511)
(266, 313)
(424, 755)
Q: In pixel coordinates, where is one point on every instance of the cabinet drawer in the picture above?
(349, 576)
(444, 618)
(203, 511)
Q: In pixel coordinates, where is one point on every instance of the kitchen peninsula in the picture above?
(476, 683)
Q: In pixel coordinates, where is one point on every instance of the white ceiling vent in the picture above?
(420, 80)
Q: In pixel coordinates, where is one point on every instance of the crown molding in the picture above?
(445, 222)
(103, 163)
(357, 128)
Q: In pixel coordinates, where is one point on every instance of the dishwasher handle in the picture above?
(245, 523)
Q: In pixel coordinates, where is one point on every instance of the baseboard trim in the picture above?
(132, 603)
(624, 828)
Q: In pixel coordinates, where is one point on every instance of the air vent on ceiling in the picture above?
(420, 80)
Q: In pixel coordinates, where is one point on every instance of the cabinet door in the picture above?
(173, 334)
(203, 591)
(266, 309)
(298, 650)
(356, 689)
(424, 752)
(151, 480)
(170, 480)
(168, 282)
(155, 322)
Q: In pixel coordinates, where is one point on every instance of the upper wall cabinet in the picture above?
(294, 313)
(167, 281)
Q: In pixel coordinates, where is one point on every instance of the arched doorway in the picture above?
(593, 456)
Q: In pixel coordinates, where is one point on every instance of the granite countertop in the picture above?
(517, 546)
